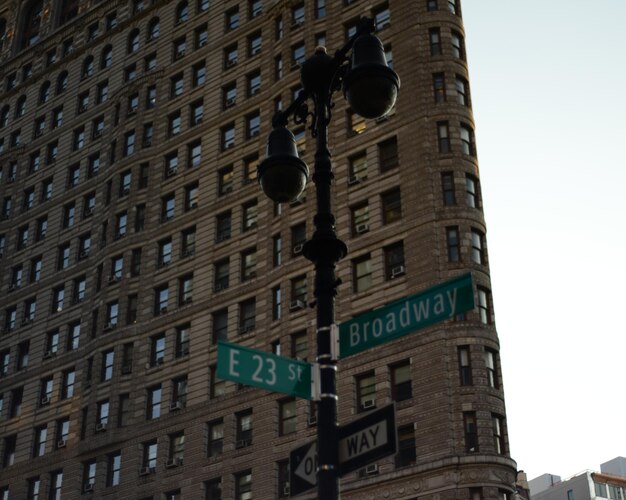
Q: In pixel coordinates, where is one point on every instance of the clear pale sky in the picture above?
(548, 83)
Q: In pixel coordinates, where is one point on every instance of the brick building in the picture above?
(133, 236)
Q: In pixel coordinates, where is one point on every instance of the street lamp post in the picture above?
(370, 87)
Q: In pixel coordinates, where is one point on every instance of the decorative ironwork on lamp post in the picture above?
(371, 88)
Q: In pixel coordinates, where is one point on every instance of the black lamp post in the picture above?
(370, 87)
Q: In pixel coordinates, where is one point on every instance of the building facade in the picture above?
(134, 236)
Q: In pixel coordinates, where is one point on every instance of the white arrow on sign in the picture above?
(307, 469)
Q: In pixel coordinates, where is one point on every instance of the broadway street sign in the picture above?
(406, 315)
(264, 370)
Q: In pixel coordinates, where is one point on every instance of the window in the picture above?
(298, 238)
(297, 15)
(231, 56)
(431, 5)
(176, 450)
(365, 391)
(89, 475)
(498, 434)
(254, 83)
(277, 250)
(447, 186)
(223, 226)
(485, 310)
(232, 18)
(34, 488)
(297, 55)
(194, 154)
(23, 351)
(453, 244)
(248, 264)
(472, 191)
(79, 289)
(465, 365)
(220, 326)
(298, 293)
(108, 358)
(46, 389)
(199, 74)
(382, 18)
(254, 44)
(149, 460)
(287, 417)
(401, 381)
(491, 364)
(182, 12)
(188, 243)
(434, 39)
(88, 67)
(462, 91)
(79, 138)
(276, 303)
(161, 299)
(114, 467)
(471, 432)
(406, 446)
(191, 196)
(154, 402)
(228, 136)
(62, 82)
(168, 204)
(174, 124)
(253, 125)
(182, 340)
(185, 289)
(243, 428)
(388, 154)
(8, 456)
(443, 137)
(73, 336)
(357, 168)
(111, 21)
(256, 8)
(123, 410)
(201, 36)
(478, 246)
(154, 29)
(467, 140)
(320, 9)
(216, 438)
(56, 485)
(360, 218)
(229, 95)
(247, 315)
(458, 45)
(391, 206)
(222, 274)
(250, 213)
(58, 299)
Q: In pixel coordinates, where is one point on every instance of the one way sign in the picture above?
(303, 468)
(367, 439)
(361, 442)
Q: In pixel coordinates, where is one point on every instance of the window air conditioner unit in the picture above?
(45, 401)
(62, 443)
(146, 470)
(297, 249)
(159, 361)
(114, 278)
(176, 405)
(186, 301)
(296, 305)
(127, 369)
(101, 427)
(231, 101)
(368, 403)
(353, 179)
(84, 254)
(49, 354)
(230, 63)
(362, 228)
(10, 179)
(88, 488)
(371, 469)
(174, 462)
(219, 287)
(12, 287)
(125, 190)
(246, 329)
(312, 420)
(110, 326)
(171, 172)
(242, 443)
(286, 490)
(397, 271)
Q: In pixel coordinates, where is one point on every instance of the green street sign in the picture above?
(264, 370)
(406, 315)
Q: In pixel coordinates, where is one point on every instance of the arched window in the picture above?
(32, 24)
(4, 116)
(20, 107)
(154, 29)
(69, 10)
(133, 41)
(88, 67)
(62, 82)
(44, 92)
(182, 12)
(106, 59)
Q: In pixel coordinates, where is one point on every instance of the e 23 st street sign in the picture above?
(406, 315)
(267, 371)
